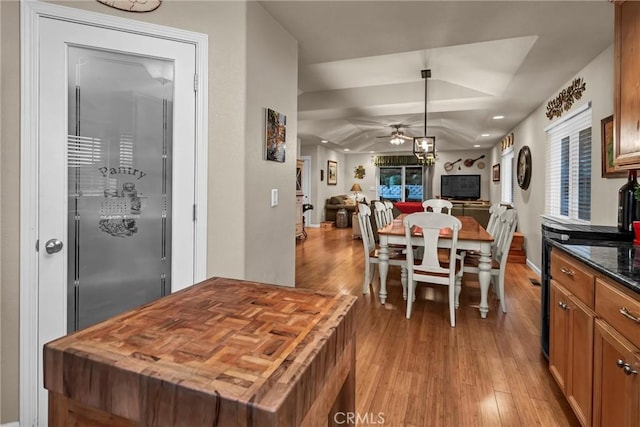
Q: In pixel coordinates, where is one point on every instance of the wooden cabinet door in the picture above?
(580, 360)
(558, 334)
(626, 84)
(616, 393)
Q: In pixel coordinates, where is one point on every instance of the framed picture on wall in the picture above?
(332, 172)
(609, 169)
(495, 175)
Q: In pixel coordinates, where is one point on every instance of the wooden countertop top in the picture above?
(247, 349)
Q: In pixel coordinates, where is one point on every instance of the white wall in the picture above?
(598, 76)
(272, 82)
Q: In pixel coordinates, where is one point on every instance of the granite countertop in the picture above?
(617, 260)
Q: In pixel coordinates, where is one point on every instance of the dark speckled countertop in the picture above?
(617, 260)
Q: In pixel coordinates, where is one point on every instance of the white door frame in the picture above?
(30, 14)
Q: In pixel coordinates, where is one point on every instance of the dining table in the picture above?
(471, 237)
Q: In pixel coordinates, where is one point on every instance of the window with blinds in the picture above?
(568, 155)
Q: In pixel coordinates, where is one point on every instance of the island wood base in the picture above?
(224, 352)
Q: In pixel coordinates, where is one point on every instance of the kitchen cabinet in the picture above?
(594, 344)
(571, 333)
(626, 83)
(617, 387)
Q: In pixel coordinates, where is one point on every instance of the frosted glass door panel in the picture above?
(119, 162)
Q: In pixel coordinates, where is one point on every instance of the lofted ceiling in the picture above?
(360, 63)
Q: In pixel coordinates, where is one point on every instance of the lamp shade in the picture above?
(356, 187)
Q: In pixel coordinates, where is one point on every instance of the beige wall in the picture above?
(272, 82)
(0, 211)
(598, 75)
(234, 133)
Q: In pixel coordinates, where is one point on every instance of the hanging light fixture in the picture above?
(424, 147)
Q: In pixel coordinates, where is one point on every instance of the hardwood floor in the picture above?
(422, 372)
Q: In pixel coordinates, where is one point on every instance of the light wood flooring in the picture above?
(422, 372)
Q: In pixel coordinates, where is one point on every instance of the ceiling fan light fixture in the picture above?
(397, 140)
(424, 147)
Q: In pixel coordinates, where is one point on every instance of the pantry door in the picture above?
(116, 174)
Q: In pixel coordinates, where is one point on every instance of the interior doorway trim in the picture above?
(30, 14)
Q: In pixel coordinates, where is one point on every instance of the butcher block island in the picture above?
(220, 353)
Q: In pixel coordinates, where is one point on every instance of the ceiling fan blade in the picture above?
(410, 138)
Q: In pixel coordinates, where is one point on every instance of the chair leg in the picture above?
(458, 289)
(365, 287)
(411, 285)
(503, 300)
(452, 310)
(403, 280)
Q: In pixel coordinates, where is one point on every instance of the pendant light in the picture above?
(424, 147)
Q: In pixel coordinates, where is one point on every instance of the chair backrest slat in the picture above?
(431, 223)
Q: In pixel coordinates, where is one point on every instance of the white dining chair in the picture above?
(371, 252)
(494, 212)
(437, 205)
(389, 209)
(380, 212)
(506, 226)
(435, 266)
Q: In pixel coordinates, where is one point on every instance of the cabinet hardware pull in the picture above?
(566, 271)
(563, 305)
(626, 313)
(620, 363)
(628, 371)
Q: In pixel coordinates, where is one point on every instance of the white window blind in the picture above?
(568, 178)
(506, 165)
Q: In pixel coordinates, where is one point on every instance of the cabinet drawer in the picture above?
(618, 309)
(576, 278)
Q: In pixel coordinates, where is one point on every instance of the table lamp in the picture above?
(356, 188)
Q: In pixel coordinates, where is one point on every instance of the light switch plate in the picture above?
(274, 197)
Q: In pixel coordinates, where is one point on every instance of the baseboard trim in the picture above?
(13, 424)
(534, 268)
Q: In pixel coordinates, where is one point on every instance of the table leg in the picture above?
(383, 267)
(484, 277)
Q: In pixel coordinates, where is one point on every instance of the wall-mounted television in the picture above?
(460, 187)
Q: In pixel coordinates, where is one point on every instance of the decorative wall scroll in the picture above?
(566, 98)
(507, 141)
(133, 5)
(276, 131)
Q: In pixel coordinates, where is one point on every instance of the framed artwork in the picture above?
(609, 169)
(275, 136)
(496, 172)
(332, 172)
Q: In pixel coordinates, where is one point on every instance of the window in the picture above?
(568, 178)
(400, 183)
(506, 165)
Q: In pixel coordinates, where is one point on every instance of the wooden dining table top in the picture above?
(471, 229)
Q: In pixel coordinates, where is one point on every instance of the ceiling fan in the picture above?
(397, 136)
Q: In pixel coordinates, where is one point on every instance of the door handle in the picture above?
(53, 245)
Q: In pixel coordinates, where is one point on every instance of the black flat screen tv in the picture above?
(460, 187)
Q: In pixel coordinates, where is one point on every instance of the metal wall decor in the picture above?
(359, 172)
(566, 98)
(133, 5)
